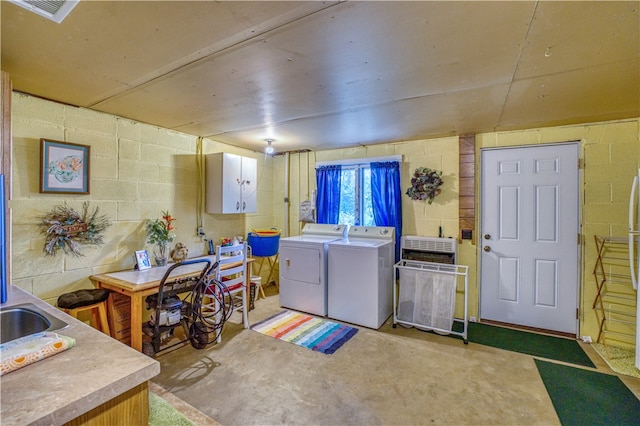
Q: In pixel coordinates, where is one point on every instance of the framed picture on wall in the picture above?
(64, 167)
(142, 260)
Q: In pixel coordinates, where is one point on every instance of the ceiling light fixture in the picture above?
(269, 148)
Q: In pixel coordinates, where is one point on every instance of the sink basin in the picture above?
(26, 319)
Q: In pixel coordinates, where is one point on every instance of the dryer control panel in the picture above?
(325, 229)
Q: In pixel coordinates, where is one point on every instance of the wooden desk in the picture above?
(137, 285)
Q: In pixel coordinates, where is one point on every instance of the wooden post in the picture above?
(467, 211)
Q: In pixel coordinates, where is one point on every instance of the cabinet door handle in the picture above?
(237, 205)
(244, 206)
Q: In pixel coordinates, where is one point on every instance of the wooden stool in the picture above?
(84, 300)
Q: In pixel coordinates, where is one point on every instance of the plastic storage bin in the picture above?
(264, 243)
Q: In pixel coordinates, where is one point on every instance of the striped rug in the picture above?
(307, 331)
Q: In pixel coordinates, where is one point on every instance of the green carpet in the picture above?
(161, 413)
(535, 344)
(584, 397)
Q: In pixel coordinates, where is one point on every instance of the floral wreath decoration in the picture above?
(68, 230)
(425, 184)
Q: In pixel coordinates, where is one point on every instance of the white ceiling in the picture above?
(320, 75)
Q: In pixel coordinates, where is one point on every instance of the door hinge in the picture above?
(580, 163)
(579, 239)
(577, 313)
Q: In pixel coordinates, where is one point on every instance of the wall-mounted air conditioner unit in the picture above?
(429, 249)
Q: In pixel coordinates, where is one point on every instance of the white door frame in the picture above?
(479, 241)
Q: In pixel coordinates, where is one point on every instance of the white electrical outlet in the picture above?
(586, 339)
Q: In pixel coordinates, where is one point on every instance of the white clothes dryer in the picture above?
(361, 276)
(303, 267)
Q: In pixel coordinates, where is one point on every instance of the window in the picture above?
(356, 207)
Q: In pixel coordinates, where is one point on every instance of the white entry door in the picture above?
(530, 226)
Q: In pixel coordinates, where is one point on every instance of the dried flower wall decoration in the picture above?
(425, 184)
(68, 230)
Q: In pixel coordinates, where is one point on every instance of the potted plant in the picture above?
(159, 234)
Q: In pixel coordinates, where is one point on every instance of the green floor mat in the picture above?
(540, 345)
(583, 397)
(161, 413)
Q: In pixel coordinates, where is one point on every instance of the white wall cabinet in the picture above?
(231, 184)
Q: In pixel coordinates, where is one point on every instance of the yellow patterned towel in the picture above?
(29, 349)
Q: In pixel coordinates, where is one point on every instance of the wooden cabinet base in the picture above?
(130, 408)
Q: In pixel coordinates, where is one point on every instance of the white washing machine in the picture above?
(303, 267)
(361, 276)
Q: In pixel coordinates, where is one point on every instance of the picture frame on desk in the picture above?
(142, 260)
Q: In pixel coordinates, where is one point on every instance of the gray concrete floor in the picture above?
(391, 376)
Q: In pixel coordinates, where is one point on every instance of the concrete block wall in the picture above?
(269, 203)
(419, 218)
(137, 171)
(611, 155)
(218, 226)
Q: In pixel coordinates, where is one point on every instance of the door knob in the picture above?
(487, 236)
(487, 249)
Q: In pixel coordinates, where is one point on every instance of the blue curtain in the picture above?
(386, 197)
(328, 199)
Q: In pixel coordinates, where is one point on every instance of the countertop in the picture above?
(60, 388)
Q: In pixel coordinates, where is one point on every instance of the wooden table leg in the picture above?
(136, 322)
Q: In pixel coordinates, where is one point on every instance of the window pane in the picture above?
(367, 204)
(347, 197)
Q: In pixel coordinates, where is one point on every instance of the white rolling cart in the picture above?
(425, 296)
